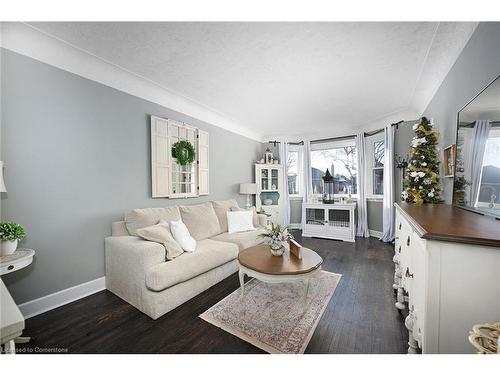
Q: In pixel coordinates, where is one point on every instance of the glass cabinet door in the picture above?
(264, 179)
(274, 179)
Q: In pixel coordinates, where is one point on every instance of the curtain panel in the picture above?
(362, 228)
(388, 216)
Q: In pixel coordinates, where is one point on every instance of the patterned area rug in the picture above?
(273, 317)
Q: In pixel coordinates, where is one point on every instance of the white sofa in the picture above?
(137, 271)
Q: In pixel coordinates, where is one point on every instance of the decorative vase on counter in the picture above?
(8, 247)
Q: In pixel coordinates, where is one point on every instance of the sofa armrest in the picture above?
(262, 220)
(128, 254)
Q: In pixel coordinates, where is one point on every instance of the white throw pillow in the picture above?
(239, 221)
(182, 236)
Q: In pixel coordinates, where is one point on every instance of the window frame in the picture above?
(370, 164)
(300, 171)
(351, 142)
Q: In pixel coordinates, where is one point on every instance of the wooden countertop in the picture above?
(445, 222)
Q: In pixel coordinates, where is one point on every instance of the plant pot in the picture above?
(277, 249)
(8, 247)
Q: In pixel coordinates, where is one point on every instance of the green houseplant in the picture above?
(10, 234)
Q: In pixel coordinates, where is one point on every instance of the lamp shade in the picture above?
(248, 188)
(2, 184)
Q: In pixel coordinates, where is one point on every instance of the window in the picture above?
(341, 159)
(294, 169)
(378, 168)
(489, 191)
(375, 165)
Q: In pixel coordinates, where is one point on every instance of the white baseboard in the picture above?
(375, 233)
(62, 297)
(296, 226)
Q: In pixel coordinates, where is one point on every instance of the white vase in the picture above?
(277, 248)
(8, 247)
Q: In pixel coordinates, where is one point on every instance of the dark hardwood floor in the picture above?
(360, 318)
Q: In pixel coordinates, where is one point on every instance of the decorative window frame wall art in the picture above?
(170, 179)
(449, 160)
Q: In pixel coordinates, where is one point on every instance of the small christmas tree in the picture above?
(422, 183)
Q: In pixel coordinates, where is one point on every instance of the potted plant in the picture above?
(277, 236)
(10, 234)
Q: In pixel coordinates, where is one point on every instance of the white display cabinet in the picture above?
(269, 197)
(334, 221)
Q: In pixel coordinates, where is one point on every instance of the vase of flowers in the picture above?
(277, 236)
(10, 234)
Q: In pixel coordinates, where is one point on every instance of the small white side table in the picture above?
(15, 261)
(12, 321)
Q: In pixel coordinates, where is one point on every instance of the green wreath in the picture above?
(183, 151)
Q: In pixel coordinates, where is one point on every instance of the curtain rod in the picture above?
(367, 134)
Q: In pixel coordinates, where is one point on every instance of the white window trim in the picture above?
(300, 171)
(336, 144)
(370, 162)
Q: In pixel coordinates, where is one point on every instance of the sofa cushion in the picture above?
(221, 208)
(145, 217)
(255, 217)
(161, 233)
(200, 220)
(182, 236)
(239, 221)
(244, 240)
(209, 254)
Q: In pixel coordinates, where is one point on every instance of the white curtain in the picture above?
(362, 229)
(388, 203)
(283, 155)
(306, 168)
(481, 132)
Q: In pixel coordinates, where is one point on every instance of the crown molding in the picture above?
(31, 42)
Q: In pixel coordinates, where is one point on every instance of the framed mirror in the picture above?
(477, 165)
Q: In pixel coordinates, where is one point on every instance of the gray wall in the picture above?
(402, 140)
(77, 156)
(475, 68)
(374, 212)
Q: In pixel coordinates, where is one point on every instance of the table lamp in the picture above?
(248, 189)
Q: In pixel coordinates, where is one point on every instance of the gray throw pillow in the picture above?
(161, 233)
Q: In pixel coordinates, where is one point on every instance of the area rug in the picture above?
(273, 317)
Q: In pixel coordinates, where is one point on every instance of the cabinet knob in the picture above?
(408, 241)
(407, 273)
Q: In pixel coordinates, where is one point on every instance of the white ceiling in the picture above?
(293, 79)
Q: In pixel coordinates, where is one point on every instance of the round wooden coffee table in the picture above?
(258, 262)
